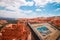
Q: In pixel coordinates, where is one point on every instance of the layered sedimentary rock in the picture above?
(14, 32)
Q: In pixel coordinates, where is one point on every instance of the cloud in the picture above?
(44, 2)
(33, 8)
(14, 4)
(57, 1)
(17, 13)
(38, 10)
(29, 3)
(41, 2)
(8, 14)
(57, 9)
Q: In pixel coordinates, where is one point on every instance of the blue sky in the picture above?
(49, 8)
(29, 8)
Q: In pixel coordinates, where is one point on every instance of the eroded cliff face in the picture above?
(20, 31)
(53, 20)
(14, 32)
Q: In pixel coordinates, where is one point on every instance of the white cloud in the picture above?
(18, 13)
(11, 14)
(44, 2)
(57, 1)
(57, 9)
(46, 15)
(14, 4)
(27, 11)
(29, 14)
(38, 10)
(29, 3)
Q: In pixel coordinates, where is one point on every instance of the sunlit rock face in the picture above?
(19, 30)
(52, 20)
(14, 32)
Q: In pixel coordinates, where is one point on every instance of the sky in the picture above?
(29, 8)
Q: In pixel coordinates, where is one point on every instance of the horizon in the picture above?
(25, 18)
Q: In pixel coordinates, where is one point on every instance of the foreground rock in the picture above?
(15, 32)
